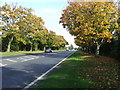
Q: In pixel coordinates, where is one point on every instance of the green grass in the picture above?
(82, 70)
(18, 53)
(23, 52)
(66, 76)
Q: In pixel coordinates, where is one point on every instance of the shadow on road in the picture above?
(22, 76)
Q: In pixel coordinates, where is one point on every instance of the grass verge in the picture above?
(23, 52)
(18, 53)
(82, 70)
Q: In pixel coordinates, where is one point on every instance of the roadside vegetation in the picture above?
(82, 70)
(24, 52)
(23, 31)
(18, 53)
(95, 25)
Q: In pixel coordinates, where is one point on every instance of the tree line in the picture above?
(95, 26)
(24, 31)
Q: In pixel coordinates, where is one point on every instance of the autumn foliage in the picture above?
(21, 26)
(92, 23)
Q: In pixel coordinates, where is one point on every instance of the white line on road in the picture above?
(40, 77)
(1, 65)
(33, 58)
(26, 60)
(20, 58)
(10, 60)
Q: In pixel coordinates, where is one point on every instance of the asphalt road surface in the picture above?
(18, 71)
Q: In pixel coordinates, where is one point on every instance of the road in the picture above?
(18, 71)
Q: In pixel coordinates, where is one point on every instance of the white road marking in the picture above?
(27, 57)
(1, 65)
(26, 60)
(40, 77)
(20, 58)
(32, 58)
(51, 53)
(10, 60)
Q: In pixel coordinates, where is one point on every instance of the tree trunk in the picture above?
(44, 48)
(0, 44)
(9, 44)
(36, 46)
(98, 50)
(31, 47)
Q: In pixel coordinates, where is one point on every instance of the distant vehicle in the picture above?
(48, 50)
(67, 49)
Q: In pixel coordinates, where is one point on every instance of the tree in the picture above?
(92, 23)
(60, 41)
(118, 14)
(20, 24)
(44, 34)
(23, 27)
(11, 15)
(71, 47)
(32, 27)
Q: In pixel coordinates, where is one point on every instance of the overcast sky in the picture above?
(50, 11)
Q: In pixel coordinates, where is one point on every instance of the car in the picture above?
(48, 50)
(67, 49)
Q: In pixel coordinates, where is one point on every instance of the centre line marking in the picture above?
(10, 60)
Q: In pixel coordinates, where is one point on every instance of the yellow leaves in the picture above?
(111, 37)
(42, 22)
(31, 34)
(103, 14)
(107, 33)
(22, 40)
(109, 40)
(47, 37)
(96, 23)
(112, 8)
(12, 15)
(86, 24)
(105, 70)
(13, 26)
(116, 25)
(4, 35)
(37, 32)
(94, 20)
